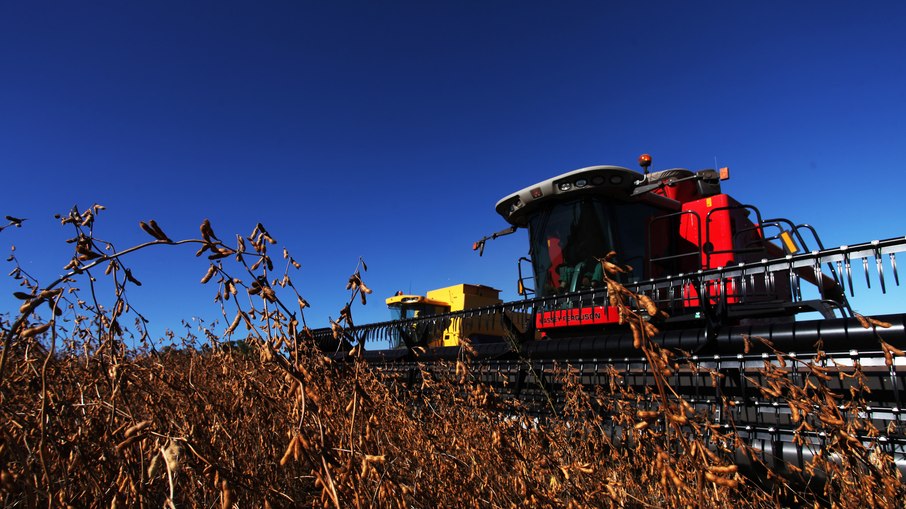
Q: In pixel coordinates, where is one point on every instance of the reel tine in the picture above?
(865, 269)
(893, 266)
(840, 271)
(794, 283)
(849, 274)
(879, 264)
(818, 275)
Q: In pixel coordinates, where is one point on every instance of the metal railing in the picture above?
(759, 284)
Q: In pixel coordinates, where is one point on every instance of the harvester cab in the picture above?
(403, 306)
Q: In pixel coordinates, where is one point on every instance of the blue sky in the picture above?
(389, 130)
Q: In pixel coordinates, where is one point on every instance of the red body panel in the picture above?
(719, 229)
(596, 315)
(716, 229)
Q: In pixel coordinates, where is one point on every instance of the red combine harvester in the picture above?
(717, 268)
(668, 223)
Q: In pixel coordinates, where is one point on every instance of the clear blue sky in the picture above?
(389, 130)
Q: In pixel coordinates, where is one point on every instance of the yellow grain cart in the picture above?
(447, 300)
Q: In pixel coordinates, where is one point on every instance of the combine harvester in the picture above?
(718, 268)
(442, 301)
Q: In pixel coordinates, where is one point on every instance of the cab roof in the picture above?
(614, 182)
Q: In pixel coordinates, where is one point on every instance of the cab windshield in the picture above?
(401, 311)
(405, 310)
(567, 239)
